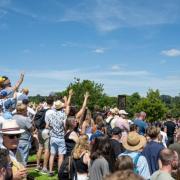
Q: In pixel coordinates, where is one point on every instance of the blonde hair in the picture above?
(82, 146)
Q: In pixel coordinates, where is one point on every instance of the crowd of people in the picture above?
(81, 144)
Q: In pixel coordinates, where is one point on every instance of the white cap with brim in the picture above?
(11, 127)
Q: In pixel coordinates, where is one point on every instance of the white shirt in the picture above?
(164, 138)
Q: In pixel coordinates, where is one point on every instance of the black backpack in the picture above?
(39, 119)
(68, 169)
(109, 128)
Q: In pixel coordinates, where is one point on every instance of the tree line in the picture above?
(155, 105)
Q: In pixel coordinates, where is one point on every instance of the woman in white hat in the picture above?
(11, 133)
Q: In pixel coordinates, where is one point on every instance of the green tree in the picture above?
(132, 102)
(79, 88)
(153, 106)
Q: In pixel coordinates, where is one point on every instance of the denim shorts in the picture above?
(23, 151)
(57, 145)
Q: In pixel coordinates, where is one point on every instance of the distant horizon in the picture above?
(129, 46)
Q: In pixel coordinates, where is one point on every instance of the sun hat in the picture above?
(134, 141)
(123, 112)
(58, 104)
(11, 127)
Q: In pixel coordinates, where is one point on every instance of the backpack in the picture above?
(109, 128)
(68, 169)
(135, 163)
(39, 119)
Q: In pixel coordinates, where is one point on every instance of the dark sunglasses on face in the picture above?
(12, 136)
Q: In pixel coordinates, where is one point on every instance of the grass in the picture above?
(38, 175)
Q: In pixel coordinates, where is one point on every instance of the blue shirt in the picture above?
(141, 125)
(96, 134)
(142, 165)
(151, 152)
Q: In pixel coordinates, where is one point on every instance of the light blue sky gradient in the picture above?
(129, 46)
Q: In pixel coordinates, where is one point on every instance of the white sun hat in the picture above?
(11, 127)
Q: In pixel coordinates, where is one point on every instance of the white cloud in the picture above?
(115, 82)
(171, 52)
(105, 15)
(99, 50)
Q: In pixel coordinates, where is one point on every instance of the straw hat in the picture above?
(11, 127)
(134, 141)
(58, 104)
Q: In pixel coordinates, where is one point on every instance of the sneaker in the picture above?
(44, 171)
(38, 168)
(51, 174)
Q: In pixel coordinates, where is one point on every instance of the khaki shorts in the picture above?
(43, 143)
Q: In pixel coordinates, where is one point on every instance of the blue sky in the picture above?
(127, 45)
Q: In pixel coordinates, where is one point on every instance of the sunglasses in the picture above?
(12, 136)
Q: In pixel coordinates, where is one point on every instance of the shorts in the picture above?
(43, 143)
(57, 145)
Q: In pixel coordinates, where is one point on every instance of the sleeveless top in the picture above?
(70, 144)
(80, 166)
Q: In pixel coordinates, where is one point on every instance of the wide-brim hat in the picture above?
(11, 127)
(58, 104)
(134, 141)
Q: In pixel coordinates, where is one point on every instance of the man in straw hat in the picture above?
(55, 123)
(134, 144)
(11, 133)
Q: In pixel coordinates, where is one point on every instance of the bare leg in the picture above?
(60, 160)
(51, 163)
(38, 155)
(46, 158)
